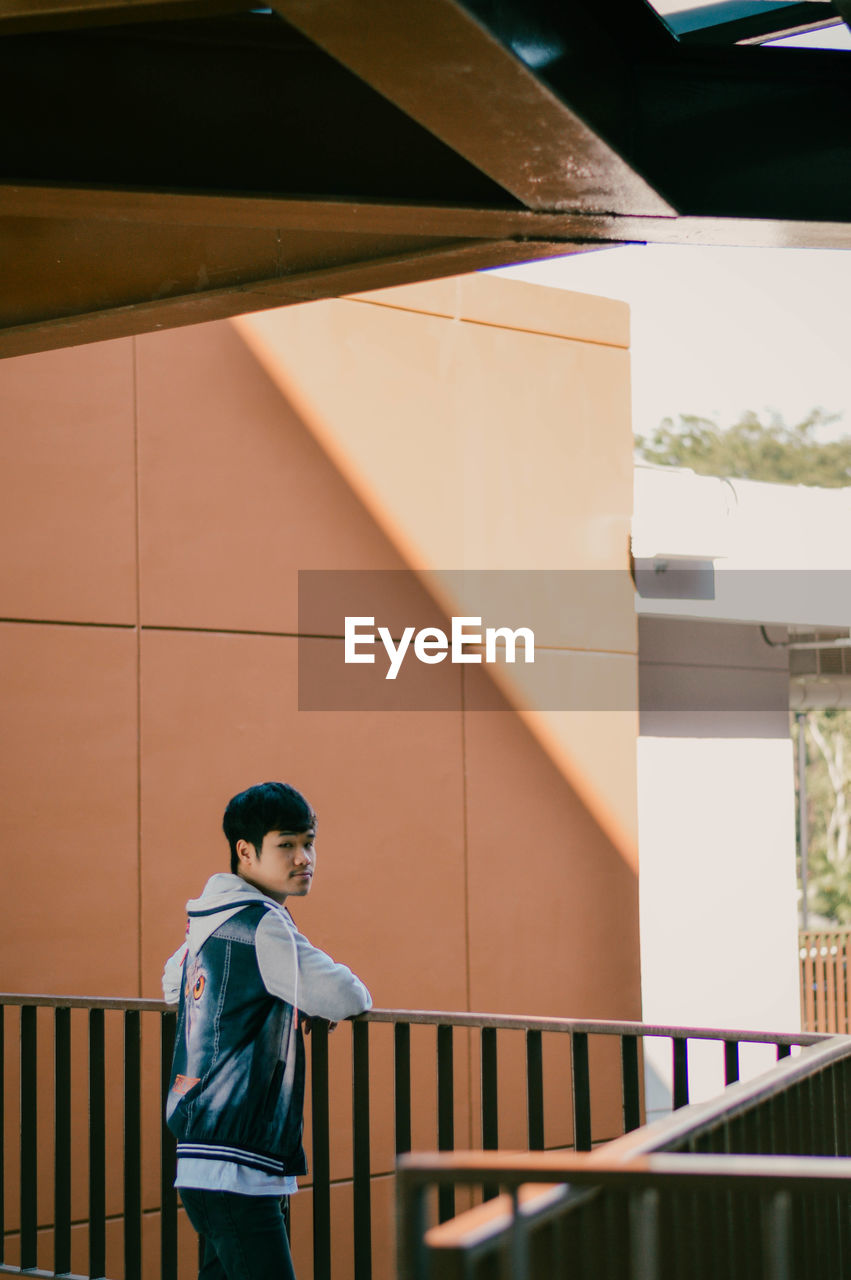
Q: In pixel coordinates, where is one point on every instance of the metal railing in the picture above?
(96, 1163)
(756, 1183)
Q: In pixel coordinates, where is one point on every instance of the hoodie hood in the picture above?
(223, 895)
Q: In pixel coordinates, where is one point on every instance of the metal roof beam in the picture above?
(330, 221)
(78, 303)
(436, 62)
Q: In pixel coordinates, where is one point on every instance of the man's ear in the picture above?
(245, 851)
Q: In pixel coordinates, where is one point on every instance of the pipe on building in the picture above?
(814, 693)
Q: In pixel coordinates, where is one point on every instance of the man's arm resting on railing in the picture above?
(322, 988)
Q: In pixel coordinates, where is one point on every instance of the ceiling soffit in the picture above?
(186, 160)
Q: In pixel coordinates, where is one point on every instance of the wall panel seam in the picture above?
(493, 324)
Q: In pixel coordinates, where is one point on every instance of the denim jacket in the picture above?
(237, 1080)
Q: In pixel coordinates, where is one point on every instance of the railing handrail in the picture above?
(735, 1099)
(438, 1017)
(593, 1026)
(514, 1168)
(86, 1002)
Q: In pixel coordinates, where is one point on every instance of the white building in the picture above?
(732, 577)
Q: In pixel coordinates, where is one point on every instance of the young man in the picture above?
(245, 978)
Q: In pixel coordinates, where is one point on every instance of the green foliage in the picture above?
(752, 449)
(828, 736)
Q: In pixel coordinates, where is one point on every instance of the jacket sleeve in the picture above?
(294, 970)
(173, 974)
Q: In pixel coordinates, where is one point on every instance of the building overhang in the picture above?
(713, 550)
(185, 160)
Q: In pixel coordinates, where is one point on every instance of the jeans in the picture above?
(243, 1237)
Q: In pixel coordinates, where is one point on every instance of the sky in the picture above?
(716, 331)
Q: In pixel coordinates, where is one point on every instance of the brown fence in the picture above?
(825, 991)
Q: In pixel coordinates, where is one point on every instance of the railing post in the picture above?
(168, 1149)
(782, 1125)
(132, 1145)
(535, 1090)
(844, 1069)
(361, 1158)
(489, 1094)
(411, 1259)
(731, 1061)
(581, 1091)
(630, 1083)
(62, 1140)
(320, 1148)
(490, 1110)
(402, 1085)
(680, 1073)
(29, 1137)
(97, 1145)
(644, 1235)
(445, 1113)
(776, 1236)
(517, 1257)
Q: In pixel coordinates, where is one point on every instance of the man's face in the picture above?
(283, 866)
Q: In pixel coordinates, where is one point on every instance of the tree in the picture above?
(752, 449)
(829, 814)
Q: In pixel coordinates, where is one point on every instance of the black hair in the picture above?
(269, 806)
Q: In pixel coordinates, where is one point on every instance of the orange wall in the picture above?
(486, 425)
(159, 495)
